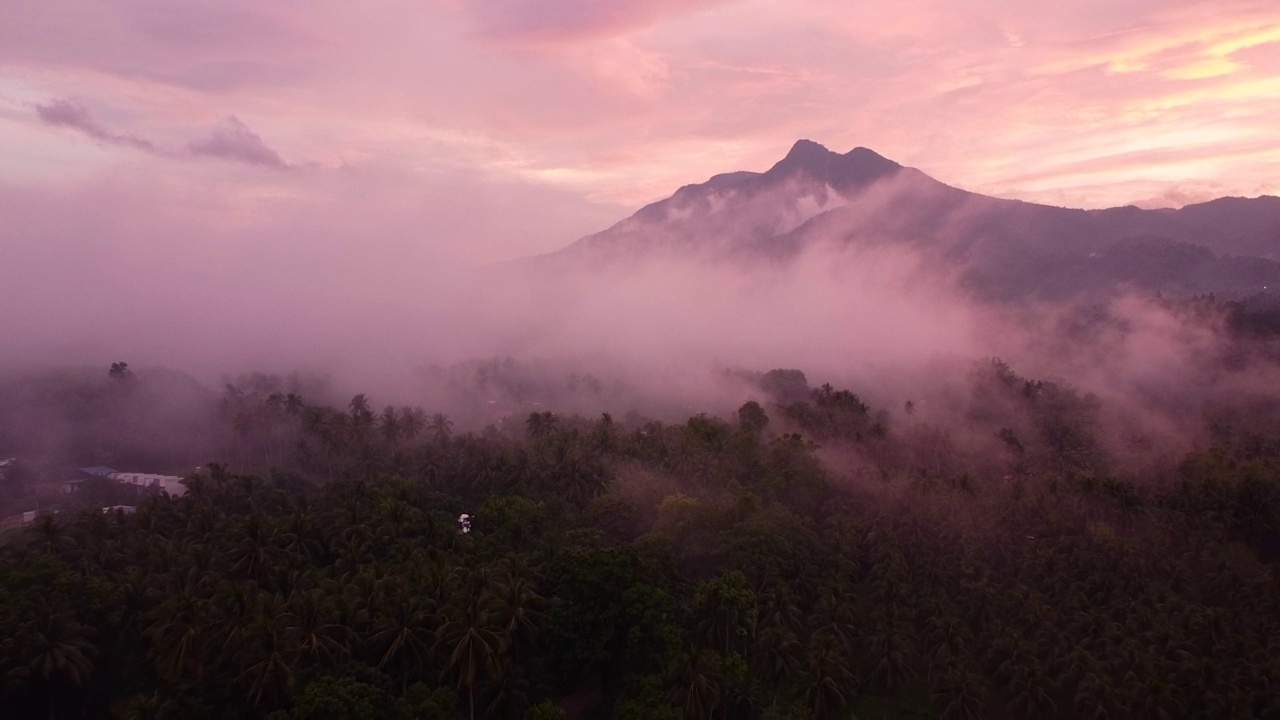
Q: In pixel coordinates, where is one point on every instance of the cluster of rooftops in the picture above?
(171, 484)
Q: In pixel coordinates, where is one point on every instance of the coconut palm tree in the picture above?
(473, 647)
(359, 406)
(267, 657)
(179, 632)
(412, 422)
(315, 636)
(829, 681)
(51, 536)
(541, 425)
(440, 427)
(255, 554)
(960, 695)
(776, 656)
(390, 427)
(293, 404)
(518, 608)
(404, 631)
(62, 650)
(699, 685)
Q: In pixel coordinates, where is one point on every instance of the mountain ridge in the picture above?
(1009, 248)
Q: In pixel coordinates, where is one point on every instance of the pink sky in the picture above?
(429, 132)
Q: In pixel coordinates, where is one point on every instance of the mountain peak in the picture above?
(806, 151)
(867, 155)
(856, 167)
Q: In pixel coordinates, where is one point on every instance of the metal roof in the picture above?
(98, 470)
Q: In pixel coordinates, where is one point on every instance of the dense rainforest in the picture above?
(810, 556)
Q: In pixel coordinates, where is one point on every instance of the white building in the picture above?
(171, 484)
(19, 520)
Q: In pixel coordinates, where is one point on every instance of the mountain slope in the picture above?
(1003, 249)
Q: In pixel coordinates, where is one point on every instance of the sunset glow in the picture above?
(583, 111)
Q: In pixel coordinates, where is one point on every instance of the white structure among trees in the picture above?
(171, 484)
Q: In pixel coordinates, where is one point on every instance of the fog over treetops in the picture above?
(854, 268)
(825, 260)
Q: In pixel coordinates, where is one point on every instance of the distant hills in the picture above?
(1001, 249)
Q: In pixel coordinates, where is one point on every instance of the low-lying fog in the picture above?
(360, 305)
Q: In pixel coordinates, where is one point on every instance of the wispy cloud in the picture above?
(71, 114)
(231, 140)
(235, 141)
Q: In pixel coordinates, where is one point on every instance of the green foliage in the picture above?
(653, 634)
(752, 418)
(587, 626)
(1237, 497)
(695, 569)
(514, 518)
(545, 710)
(120, 372)
(785, 386)
(422, 702)
(644, 699)
(792, 711)
(328, 698)
(724, 611)
(617, 518)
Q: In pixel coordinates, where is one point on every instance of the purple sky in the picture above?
(488, 129)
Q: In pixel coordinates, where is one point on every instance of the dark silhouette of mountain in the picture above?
(1000, 248)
